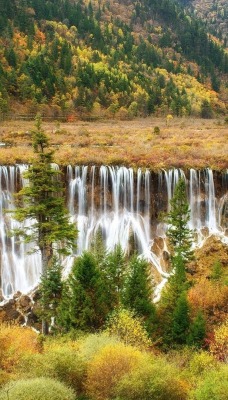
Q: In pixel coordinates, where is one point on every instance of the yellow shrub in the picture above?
(128, 328)
(108, 367)
(219, 345)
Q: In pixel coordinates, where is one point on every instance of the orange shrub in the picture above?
(14, 343)
(208, 296)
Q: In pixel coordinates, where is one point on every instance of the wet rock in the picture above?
(160, 242)
(8, 312)
(158, 246)
(24, 303)
(205, 232)
(17, 295)
(165, 255)
(155, 249)
(1, 296)
(32, 319)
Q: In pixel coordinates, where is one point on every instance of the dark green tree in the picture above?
(173, 308)
(180, 319)
(11, 57)
(206, 110)
(114, 270)
(197, 330)
(50, 288)
(84, 304)
(180, 236)
(41, 205)
(138, 292)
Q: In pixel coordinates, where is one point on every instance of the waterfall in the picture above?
(19, 269)
(122, 204)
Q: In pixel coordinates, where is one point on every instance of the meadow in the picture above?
(153, 142)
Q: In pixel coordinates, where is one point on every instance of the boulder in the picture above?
(8, 312)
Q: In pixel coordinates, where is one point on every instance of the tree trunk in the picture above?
(46, 255)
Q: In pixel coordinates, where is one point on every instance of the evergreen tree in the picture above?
(84, 304)
(170, 305)
(47, 221)
(180, 236)
(50, 288)
(197, 330)
(138, 291)
(41, 206)
(11, 58)
(114, 273)
(206, 110)
(180, 319)
(217, 271)
(173, 308)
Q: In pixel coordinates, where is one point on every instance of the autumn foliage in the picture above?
(107, 368)
(15, 342)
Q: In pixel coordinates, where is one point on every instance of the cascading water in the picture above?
(122, 204)
(19, 269)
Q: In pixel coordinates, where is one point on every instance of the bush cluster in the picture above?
(102, 367)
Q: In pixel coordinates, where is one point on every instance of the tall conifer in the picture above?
(138, 291)
(173, 308)
(41, 206)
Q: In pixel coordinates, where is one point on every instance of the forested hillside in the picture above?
(124, 58)
(214, 13)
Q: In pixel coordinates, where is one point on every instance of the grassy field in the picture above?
(183, 142)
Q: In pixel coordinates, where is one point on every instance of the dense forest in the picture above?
(78, 58)
(213, 12)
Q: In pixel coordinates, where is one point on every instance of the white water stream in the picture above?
(120, 203)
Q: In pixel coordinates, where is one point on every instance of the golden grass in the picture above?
(185, 143)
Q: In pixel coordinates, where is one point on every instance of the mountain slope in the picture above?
(123, 58)
(214, 13)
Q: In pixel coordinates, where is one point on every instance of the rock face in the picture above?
(21, 310)
(9, 313)
(159, 248)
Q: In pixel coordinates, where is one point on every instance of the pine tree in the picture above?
(180, 236)
(114, 272)
(180, 319)
(47, 221)
(138, 291)
(197, 330)
(84, 304)
(50, 288)
(41, 206)
(169, 309)
(173, 308)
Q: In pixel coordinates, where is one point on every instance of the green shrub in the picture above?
(156, 130)
(60, 362)
(36, 389)
(201, 363)
(94, 343)
(213, 387)
(156, 380)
